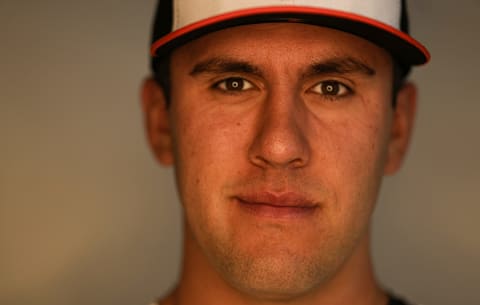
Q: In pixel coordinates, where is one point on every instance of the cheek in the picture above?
(208, 154)
(206, 141)
(354, 155)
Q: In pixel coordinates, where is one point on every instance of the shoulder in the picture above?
(396, 300)
(168, 300)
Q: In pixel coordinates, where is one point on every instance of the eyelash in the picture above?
(338, 91)
(222, 85)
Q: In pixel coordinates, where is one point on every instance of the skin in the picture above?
(280, 135)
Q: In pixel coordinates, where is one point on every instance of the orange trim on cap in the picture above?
(288, 9)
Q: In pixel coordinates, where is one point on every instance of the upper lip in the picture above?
(286, 199)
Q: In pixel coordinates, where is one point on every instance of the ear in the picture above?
(402, 126)
(157, 124)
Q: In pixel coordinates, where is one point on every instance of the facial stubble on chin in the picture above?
(274, 272)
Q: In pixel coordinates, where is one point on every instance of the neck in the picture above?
(353, 283)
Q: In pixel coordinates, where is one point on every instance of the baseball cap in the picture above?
(383, 22)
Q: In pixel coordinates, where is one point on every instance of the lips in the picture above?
(284, 205)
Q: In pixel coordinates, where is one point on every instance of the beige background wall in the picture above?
(87, 217)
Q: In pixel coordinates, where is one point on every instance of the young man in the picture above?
(281, 118)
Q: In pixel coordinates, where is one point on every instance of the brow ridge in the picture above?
(340, 65)
(337, 65)
(224, 65)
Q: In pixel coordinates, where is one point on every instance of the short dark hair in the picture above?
(161, 73)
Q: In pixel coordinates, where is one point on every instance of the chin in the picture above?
(279, 277)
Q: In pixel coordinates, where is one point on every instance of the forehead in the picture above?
(281, 43)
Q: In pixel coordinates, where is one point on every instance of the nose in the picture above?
(280, 138)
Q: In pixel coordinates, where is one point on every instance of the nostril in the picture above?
(297, 163)
(269, 163)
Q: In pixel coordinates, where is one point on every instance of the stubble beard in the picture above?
(276, 274)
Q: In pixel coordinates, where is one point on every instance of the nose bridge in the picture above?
(280, 139)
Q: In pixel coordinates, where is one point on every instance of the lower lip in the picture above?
(280, 212)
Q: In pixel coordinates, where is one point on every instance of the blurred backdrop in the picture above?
(88, 217)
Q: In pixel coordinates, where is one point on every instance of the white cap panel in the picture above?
(190, 11)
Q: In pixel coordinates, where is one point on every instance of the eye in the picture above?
(331, 88)
(234, 84)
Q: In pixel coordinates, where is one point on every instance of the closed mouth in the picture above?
(285, 205)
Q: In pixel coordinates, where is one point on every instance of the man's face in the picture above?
(281, 134)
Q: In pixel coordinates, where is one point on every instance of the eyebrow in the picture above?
(224, 65)
(340, 65)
